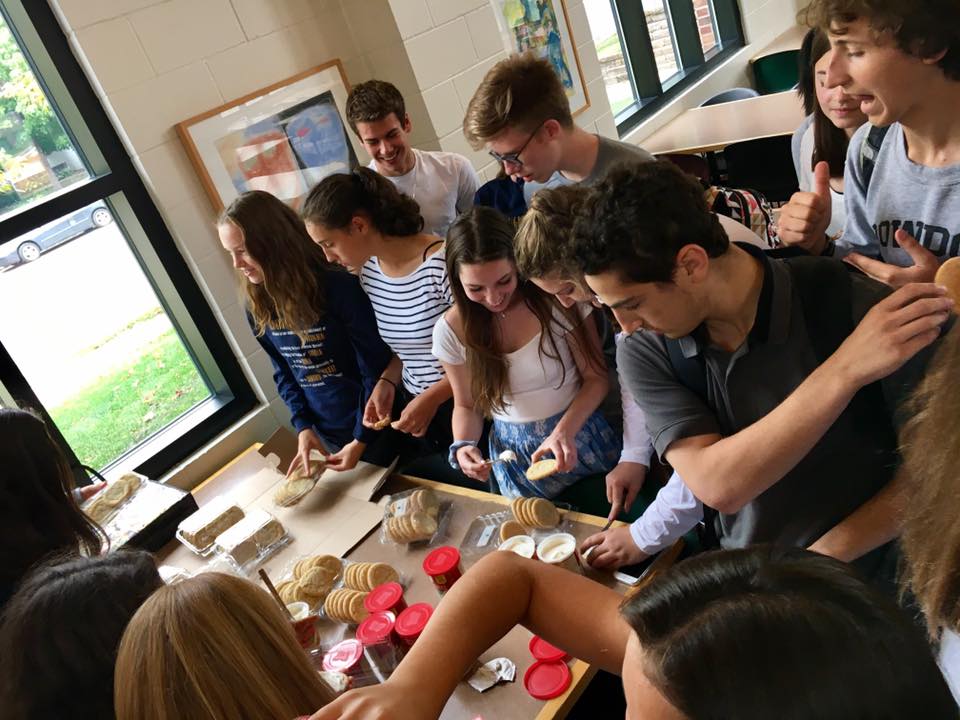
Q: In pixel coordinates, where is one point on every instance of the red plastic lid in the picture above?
(343, 656)
(413, 620)
(376, 628)
(542, 650)
(441, 561)
(546, 680)
(383, 597)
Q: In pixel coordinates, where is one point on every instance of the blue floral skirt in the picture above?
(598, 450)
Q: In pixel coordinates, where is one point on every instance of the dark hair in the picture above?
(38, 512)
(61, 630)
(372, 101)
(922, 28)
(483, 235)
(544, 237)
(810, 637)
(291, 296)
(638, 217)
(336, 199)
(829, 141)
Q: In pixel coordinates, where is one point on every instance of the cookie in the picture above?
(292, 490)
(288, 590)
(543, 513)
(381, 573)
(542, 469)
(381, 423)
(511, 528)
(949, 276)
(345, 606)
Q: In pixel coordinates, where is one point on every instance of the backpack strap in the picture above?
(869, 149)
(691, 372)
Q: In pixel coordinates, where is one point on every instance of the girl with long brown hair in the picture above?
(214, 647)
(361, 221)
(515, 355)
(930, 444)
(316, 325)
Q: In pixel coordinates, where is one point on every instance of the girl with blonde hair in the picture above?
(214, 647)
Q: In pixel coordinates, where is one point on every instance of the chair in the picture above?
(777, 72)
(765, 164)
(694, 165)
(730, 95)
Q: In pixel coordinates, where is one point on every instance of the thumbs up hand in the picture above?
(803, 221)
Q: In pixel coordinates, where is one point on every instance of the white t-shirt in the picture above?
(950, 661)
(534, 390)
(838, 213)
(442, 183)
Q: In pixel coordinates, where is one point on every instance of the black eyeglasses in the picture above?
(514, 157)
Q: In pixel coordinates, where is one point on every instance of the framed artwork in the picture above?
(543, 27)
(284, 138)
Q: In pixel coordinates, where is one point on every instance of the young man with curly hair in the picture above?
(442, 183)
(901, 60)
(770, 385)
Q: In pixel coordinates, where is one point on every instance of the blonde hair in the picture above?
(213, 647)
(544, 240)
(523, 92)
(930, 444)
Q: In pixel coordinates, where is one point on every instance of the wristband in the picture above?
(452, 455)
(387, 380)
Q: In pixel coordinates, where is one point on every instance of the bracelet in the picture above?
(385, 379)
(452, 455)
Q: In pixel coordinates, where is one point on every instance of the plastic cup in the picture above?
(522, 545)
(560, 550)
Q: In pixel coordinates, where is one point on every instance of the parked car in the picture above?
(29, 246)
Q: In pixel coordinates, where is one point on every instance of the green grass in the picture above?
(608, 47)
(103, 421)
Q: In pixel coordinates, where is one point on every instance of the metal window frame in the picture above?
(117, 182)
(651, 93)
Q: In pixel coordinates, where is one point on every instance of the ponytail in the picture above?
(336, 199)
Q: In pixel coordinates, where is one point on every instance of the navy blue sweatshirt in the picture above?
(327, 380)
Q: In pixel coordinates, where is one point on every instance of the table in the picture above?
(507, 702)
(712, 128)
(789, 40)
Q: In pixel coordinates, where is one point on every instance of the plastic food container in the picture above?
(547, 680)
(382, 648)
(385, 598)
(542, 650)
(411, 622)
(443, 567)
(347, 657)
(522, 545)
(559, 550)
(304, 624)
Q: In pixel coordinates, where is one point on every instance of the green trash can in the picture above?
(777, 72)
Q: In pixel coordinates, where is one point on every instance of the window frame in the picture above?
(118, 184)
(693, 64)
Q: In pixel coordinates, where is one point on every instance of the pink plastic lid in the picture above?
(441, 561)
(542, 650)
(383, 597)
(546, 680)
(343, 657)
(376, 628)
(413, 620)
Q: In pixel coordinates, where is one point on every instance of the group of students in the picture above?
(805, 406)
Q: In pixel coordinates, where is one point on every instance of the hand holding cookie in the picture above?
(562, 445)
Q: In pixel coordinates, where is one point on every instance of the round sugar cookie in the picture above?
(542, 469)
(949, 276)
(544, 513)
(509, 529)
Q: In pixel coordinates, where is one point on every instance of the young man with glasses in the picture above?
(520, 113)
(442, 183)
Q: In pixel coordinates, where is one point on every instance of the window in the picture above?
(104, 330)
(649, 51)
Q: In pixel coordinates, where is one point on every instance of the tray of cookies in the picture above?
(533, 517)
(105, 504)
(345, 604)
(301, 481)
(252, 540)
(310, 579)
(199, 531)
(414, 516)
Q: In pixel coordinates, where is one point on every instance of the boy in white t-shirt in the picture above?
(442, 183)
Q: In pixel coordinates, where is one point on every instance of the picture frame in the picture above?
(543, 26)
(283, 138)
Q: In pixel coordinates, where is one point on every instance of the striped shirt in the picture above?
(407, 309)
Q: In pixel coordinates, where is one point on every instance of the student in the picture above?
(38, 509)
(521, 115)
(545, 255)
(513, 354)
(214, 647)
(364, 223)
(835, 117)
(931, 535)
(759, 377)
(900, 60)
(316, 325)
(748, 634)
(442, 183)
(60, 633)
